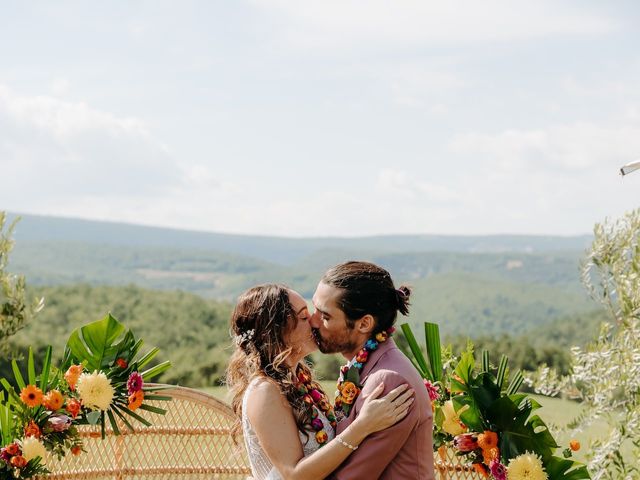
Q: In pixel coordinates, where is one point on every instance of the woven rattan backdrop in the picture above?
(193, 440)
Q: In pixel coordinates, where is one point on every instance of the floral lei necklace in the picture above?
(349, 386)
(319, 402)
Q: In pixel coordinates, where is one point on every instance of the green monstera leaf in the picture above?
(95, 343)
(562, 468)
(480, 391)
(521, 431)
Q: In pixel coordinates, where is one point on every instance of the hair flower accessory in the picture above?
(244, 336)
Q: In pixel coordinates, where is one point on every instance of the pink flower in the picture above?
(317, 424)
(4, 455)
(432, 390)
(466, 442)
(316, 395)
(59, 423)
(134, 384)
(498, 470)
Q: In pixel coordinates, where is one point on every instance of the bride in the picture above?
(287, 420)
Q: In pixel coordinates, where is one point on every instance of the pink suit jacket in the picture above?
(403, 451)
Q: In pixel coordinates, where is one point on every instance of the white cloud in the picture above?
(417, 86)
(60, 86)
(373, 24)
(573, 149)
(54, 148)
(401, 184)
(560, 179)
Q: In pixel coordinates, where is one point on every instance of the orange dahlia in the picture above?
(135, 400)
(490, 454)
(72, 375)
(349, 392)
(382, 336)
(53, 400)
(32, 430)
(481, 469)
(31, 396)
(488, 440)
(19, 461)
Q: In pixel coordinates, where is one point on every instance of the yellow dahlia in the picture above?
(32, 448)
(95, 390)
(527, 466)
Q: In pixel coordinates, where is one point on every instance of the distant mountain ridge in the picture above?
(480, 285)
(282, 250)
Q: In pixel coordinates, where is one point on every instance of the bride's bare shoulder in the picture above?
(265, 394)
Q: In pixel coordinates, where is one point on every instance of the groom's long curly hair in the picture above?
(261, 321)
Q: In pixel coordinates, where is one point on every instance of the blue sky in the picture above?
(322, 118)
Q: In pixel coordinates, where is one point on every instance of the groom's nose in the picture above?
(315, 320)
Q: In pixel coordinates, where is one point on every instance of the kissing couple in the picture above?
(380, 425)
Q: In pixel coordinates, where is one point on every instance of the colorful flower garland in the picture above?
(319, 402)
(349, 386)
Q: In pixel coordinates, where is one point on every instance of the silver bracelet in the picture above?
(348, 445)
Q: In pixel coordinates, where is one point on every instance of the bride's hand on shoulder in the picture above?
(380, 413)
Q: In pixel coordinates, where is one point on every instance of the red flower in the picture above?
(362, 356)
(73, 407)
(13, 449)
(122, 363)
(134, 384)
(19, 461)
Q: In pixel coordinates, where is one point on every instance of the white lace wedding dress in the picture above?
(261, 466)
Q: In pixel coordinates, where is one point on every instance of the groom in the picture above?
(356, 306)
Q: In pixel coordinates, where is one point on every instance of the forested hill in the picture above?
(470, 285)
(282, 250)
(193, 332)
(515, 295)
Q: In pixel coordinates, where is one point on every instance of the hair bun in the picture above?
(402, 294)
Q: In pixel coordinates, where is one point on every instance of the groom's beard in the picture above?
(333, 345)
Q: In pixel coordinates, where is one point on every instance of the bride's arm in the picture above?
(272, 419)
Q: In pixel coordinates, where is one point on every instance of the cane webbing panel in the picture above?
(449, 466)
(193, 440)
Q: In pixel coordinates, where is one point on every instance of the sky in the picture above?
(332, 118)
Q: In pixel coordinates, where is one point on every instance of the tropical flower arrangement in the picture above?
(100, 379)
(479, 414)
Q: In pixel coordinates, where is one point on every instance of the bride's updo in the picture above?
(261, 321)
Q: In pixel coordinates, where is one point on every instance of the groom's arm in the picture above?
(377, 451)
